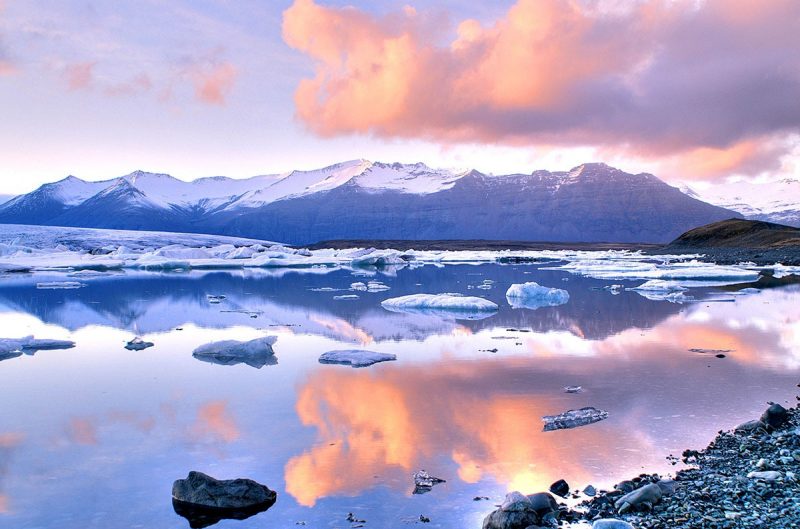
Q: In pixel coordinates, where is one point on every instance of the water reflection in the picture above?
(148, 303)
(464, 399)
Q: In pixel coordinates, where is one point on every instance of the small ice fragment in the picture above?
(137, 344)
(355, 358)
(214, 298)
(573, 418)
(572, 389)
(51, 285)
(424, 482)
(345, 297)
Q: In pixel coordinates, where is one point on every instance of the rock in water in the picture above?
(516, 512)
(255, 353)
(751, 426)
(775, 416)
(560, 488)
(573, 418)
(424, 482)
(642, 498)
(355, 357)
(205, 501)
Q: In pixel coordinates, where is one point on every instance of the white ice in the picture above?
(355, 357)
(447, 305)
(532, 295)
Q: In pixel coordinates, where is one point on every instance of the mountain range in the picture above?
(777, 202)
(371, 200)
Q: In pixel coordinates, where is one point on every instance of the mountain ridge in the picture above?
(359, 199)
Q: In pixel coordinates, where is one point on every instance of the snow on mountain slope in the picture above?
(771, 201)
(416, 178)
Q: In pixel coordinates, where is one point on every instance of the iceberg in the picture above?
(255, 353)
(446, 305)
(573, 418)
(355, 358)
(13, 347)
(532, 295)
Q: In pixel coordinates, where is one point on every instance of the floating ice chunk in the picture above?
(346, 297)
(377, 286)
(355, 358)
(137, 344)
(532, 295)
(573, 418)
(572, 389)
(661, 290)
(660, 285)
(214, 299)
(378, 258)
(424, 482)
(12, 347)
(358, 285)
(53, 285)
(255, 353)
(447, 305)
(177, 251)
(614, 289)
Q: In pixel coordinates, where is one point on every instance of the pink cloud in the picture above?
(79, 76)
(213, 84)
(137, 85)
(713, 81)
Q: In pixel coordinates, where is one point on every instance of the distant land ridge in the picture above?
(359, 199)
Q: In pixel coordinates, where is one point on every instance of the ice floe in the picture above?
(532, 295)
(448, 305)
(355, 357)
(255, 353)
(13, 347)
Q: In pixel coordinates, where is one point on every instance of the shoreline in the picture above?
(747, 477)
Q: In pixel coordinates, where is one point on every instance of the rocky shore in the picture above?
(748, 477)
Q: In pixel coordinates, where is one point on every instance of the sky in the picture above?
(690, 90)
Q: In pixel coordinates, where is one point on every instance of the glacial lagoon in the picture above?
(94, 436)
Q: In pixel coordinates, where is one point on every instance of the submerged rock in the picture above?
(204, 501)
(424, 482)
(355, 357)
(137, 344)
(255, 353)
(573, 418)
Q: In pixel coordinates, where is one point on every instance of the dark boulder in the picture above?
(775, 416)
(204, 501)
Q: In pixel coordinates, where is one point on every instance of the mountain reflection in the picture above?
(146, 303)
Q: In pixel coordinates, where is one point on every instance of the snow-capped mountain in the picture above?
(365, 200)
(770, 201)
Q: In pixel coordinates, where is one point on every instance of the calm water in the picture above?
(94, 436)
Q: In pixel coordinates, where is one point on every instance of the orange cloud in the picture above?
(212, 85)
(389, 424)
(82, 431)
(663, 78)
(79, 76)
(214, 420)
